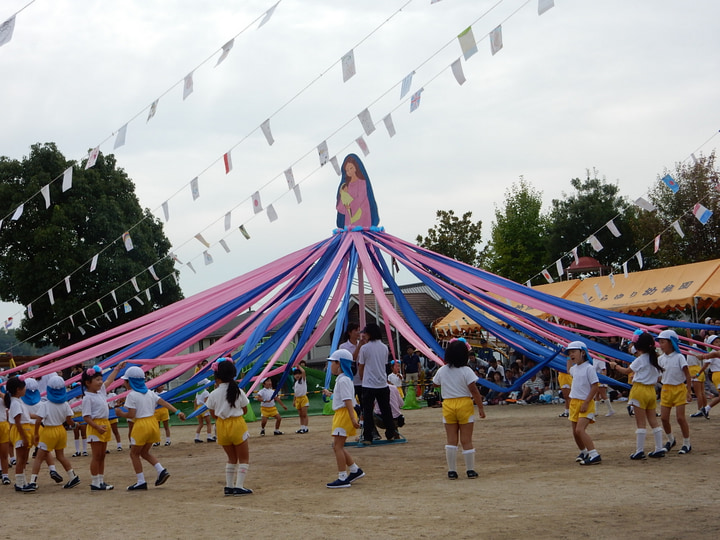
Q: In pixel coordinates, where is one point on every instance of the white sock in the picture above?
(640, 439)
(140, 478)
(101, 478)
(158, 467)
(657, 434)
(593, 453)
(671, 438)
(686, 442)
(20, 480)
(469, 456)
(84, 445)
(584, 451)
(52, 468)
(609, 404)
(33, 478)
(72, 474)
(230, 472)
(451, 457)
(95, 480)
(242, 469)
(353, 468)
(77, 445)
(167, 439)
(342, 475)
(567, 411)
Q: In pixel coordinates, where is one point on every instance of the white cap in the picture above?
(341, 354)
(31, 384)
(133, 372)
(576, 345)
(710, 339)
(57, 382)
(668, 334)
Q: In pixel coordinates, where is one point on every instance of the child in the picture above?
(268, 408)
(227, 404)
(79, 431)
(140, 404)
(711, 364)
(458, 390)
(4, 440)
(345, 422)
(676, 389)
(395, 377)
(162, 415)
(301, 401)
(95, 412)
(52, 414)
(565, 383)
(20, 430)
(114, 421)
(203, 418)
(582, 400)
(601, 395)
(645, 370)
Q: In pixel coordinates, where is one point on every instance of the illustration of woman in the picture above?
(355, 200)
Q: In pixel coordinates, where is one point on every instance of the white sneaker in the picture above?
(610, 412)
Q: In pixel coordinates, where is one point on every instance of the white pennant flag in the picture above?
(188, 85)
(585, 297)
(147, 295)
(92, 157)
(139, 300)
(676, 226)
(363, 145)
(160, 286)
(290, 177)
(613, 228)
(194, 188)
(366, 121)
(127, 241)
(120, 137)
(625, 270)
(575, 255)
(406, 84)
(135, 284)
(256, 204)
(225, 246)
(191, 267)
(67, 179)
(93, 263)
(265, 126)
(174, 257)
(45, 191)
(415, 100)
(336, 166)
(153, 109)
(166, 211)
(176, 277)
(6, 30)
(67, 283)
(547, 275)
(114, 296)
(544, 5)
(207, 258)
(228, 219)
(108, 317)
(388, 121)
(457, 71)
(645, 205)
(271, 213)
(348, 65)
(1, 223)
(225, 51)
(51, 296)
(467, 42)
(83, 313)
(72, 321)
(597, 291)
(151, 269)
(595, 243)
(82, 330)
(612, 280)
(657, 244)
(18, 212)
(29, 311)
(268, 14)
(496, 41)
(559, 267)
(298, 195)
(200, 238)
(639, 258)
(323, 153)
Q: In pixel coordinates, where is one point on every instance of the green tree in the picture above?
(44, 246)
(517, 246)
(454, 237)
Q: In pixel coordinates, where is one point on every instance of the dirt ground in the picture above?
(529, 486)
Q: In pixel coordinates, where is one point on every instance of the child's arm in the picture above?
(114, 373)
(351, 412)
(69, 421)
(130, 413)
(590, 397)
(277, 398)
(302, 372)
(21, 431)
(36, 437)
(477, 398)
(170, 407)
(688, 381)
(620, 369)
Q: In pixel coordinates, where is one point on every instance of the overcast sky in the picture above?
(628, 88)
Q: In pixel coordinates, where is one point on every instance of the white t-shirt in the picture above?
(95, 405)
(673, 365)
(266, 396)
(584, 376)
(395, 379)
(3, 411)
(17, 406)
(454, 381)
(144, 404)
(54, 414)
(344, 389)
(218, 403)
(599, 366)
(201, 397)
(349, 346)
(645, 372)
(300, 388)
(374, 356)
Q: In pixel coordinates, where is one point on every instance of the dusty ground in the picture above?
(529, 486)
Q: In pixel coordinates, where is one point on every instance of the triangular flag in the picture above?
(67, 284)
(92, 157)
(225, 51)
(290, 178)
(256, 203)
(166, 211)
(467, 42)
(1, 223)
(115, 312)
(645, 205)
(51, 296)
(147, 295)
(415, 100)
(406, 84)
(45, 191)
(625, 270)
(496, 41)
(160, 286)
(265, 127)
(676, 226)
(188, 85)
(366, 121)
(575, 255)
(224, 246)
(127, 241)
(107, 315)
(6, 30)
(93, 263)
(139, 300)
(585, 297)
(271, 213)
(323, 153)
(153, 109)
(559, 267)
(120, 137)
(82, 330)
(298, 195)
(202, 240)
(227, 160)
(595, 243)
(67, 179)
(99, 305)
(134, 282)
(194, 188)
(268, 14)
(336, 165)
(457, 71)
(657, 243)
(114, 296)
(207, 258)
(151, 269)
(612, 280)
(639, 258)
(29, 311)
(547, 275)
(18, 212)
(544, 5)
(244, 232)
(671, 183)
(83, 313)
(597, 291)
(348, 65)
(363, 145)
(613, 228)
(701, 213)
(176, 277)
(174, 257)
(228, 219)
(388, 121)
(127, 308)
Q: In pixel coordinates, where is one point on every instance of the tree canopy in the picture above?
(44, 246)
(457, 238)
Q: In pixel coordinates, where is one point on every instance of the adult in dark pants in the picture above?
(372, 362)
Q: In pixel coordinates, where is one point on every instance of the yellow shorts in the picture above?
(458, 410)
(113, 421)
(342, 423)
(79, 420)
(564, 380)
(269, 412)
(673, 395)
(400, 390)
(162, 414)
(300, 402)
(716, 378)
(643, 396)
(144, 431)
(52, 438)
(694, 370)
(93, 435)
(575, 413)
(4, 432)
(15, 437)
(231, 431)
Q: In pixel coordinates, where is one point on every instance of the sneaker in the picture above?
(119, 448)
(12, 461)
(581, 457)
(211, 439)
(657, 453)
(591, 460)
(72, 482)
(278, 432)
(138, 487)
(698, 414)
(630, 410)
(102, 487)
(241, 491)
(610, 412)
(452, 475)
(262, 432)
(167, 443)
(76, 454)
(670, 445)
(638, 455)
(302, 430)
(228, 491)
(706, 413)
(563, 415)
(355, 475)
(27, 488)
(377, 437)
(685, 449)
(156, 444)
(339, 484)
(85, 454)
(5, 481)
(162, 477)
(198, 440)
(472, 474)
(55, 476)
(521, 402)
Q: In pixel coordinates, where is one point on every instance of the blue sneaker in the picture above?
(241, 491)
(355, 475)
(591, 460)
(339, 484)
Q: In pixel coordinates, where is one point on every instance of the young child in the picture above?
(645, 370)
(227, 405)
(203, 418)
(676, 389)
(140, 404)
(20, 430)
(395, 376)
(268, 408)
(711, 366)
(162, 415)
(4, 440)
(601, 395)
(95, 412)
(582, 400)
(458, 389)
(345, 422)
(565, 383)
(51, 415)
(114, 421)
(301, 401)
(79, 431)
